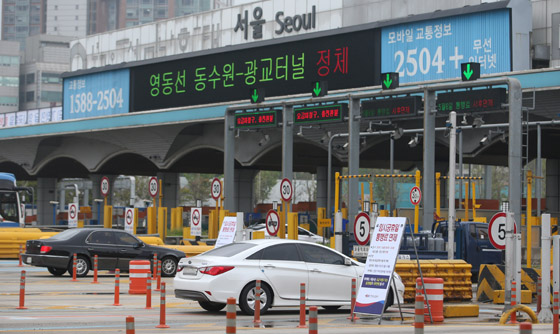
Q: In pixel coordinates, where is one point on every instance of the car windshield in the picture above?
(65, 235)
(229, 250)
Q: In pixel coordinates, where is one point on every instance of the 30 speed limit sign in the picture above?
(361, 228)
(153, 186)
(286, 190)
(216, 189)
(497, 230)
(105, 186)
(415, 195)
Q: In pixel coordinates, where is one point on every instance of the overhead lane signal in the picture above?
(390, 80)
(470, 71)
(257, 95)
(320, 88)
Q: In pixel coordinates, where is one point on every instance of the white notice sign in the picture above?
(380, 264)
(227, 232)
(129, 220)
(73, 215)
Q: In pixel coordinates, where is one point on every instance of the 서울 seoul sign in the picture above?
(346, 61)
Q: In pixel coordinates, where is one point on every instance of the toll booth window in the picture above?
(287, 252)
(315, 254)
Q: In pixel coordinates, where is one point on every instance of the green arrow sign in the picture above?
(255, 96)
(387, 82)
(317, 89)
(468, 72)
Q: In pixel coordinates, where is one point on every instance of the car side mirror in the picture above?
(347, 261)
(138, 245)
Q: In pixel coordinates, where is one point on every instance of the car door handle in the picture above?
(90, 249)
(269, 266)
(123, 250)
(315, 270)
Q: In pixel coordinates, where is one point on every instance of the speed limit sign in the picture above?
(153, 186)
(105, 186)
(497, 230)
(286, 190)
(216, 189)
(361, 228)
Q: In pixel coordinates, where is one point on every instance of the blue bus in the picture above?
(12, 213)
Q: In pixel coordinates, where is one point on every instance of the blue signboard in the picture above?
(434, 49)
(100, 94)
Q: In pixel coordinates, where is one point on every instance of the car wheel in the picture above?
(211, 306)
(248, 297)
(56, 271)
(390, 300)
(331, 308)
(82, 266)
(168, 266)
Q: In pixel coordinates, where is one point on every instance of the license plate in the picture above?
(190, 271)
(28, 260)
(403, 257)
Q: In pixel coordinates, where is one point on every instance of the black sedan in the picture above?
(114, 249)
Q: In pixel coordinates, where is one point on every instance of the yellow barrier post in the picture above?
(336, 190)
(466, 201)
(162, 222)
(293, 225)
(438, 194)
(135, 223)
(108, 216)
(416, 207)
(529, 217)
(474, 205)
(151, 220)
(283, 216)
(321, 214)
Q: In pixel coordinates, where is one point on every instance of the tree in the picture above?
(263, 183)
(198, 187)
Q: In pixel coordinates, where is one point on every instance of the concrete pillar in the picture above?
(552, 185)
(428, 172)
(96, 194)
(244, 189)
(46, 192)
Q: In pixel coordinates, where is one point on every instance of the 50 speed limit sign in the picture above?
(361, 228)
(286, 190)
(153, 186)
(497, 230)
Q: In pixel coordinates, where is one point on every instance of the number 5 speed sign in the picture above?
(361, 228)
(497, 230)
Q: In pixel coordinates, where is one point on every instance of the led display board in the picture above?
(472, 100)
(392, 107)
(434, 49)
(99, 94)
(347, 60)
(256, 119)
(320, 114)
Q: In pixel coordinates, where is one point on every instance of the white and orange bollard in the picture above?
(154, 268)
(231, 320)
(555, 313)
(419, 314)
(22, 292)
(148, 294)
(162, 308)
(95, 266)
(74, 262)
(302, 308)
(117, 288)
(434, 295)
(158, 274)
(257, 319)
(130, 325)
(313, 321)
(353, 302)
(513, 302)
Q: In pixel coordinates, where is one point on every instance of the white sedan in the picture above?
(282, 265)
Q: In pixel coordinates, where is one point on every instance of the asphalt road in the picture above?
(59, 305)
